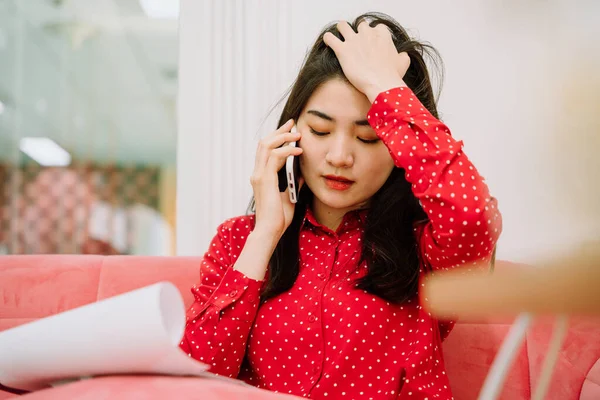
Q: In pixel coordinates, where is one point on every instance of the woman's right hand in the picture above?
(274, 210)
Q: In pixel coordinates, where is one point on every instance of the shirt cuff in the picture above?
(400, 102)
(235, 286)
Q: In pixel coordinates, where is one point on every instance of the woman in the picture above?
(319, 298)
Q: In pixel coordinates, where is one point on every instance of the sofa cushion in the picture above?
(7, 323)
(468, 353)
(39, 286)
(122, 274)
(153, 387)
(580, 350)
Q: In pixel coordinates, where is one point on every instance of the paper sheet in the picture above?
(134, 333)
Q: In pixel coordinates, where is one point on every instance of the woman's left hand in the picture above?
(369, 58)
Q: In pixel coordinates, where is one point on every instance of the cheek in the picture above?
(311, 156)
(377, 168)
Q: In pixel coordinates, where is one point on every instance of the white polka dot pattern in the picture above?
(220, 319)
(324, 338)
(464, 219)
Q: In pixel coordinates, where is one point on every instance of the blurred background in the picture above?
(88, 126)
(130, 126)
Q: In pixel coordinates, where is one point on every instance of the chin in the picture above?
(337, 200)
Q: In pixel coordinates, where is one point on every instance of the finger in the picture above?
(382, 28)
(363, 26)
(262, 151)
(285, 196)
(267, 168)
(278, 156)
(345, 29)
(282, 138)
(283, 128)
(332, 41)
(286, 127)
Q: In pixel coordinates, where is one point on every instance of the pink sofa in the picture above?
(32, 287)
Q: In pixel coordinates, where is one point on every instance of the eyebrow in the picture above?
(362, 122)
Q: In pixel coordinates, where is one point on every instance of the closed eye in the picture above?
(366, 141)
(318, 133)
(369, 141)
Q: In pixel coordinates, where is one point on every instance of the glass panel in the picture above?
(87, 126)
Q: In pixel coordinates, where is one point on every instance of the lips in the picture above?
(337, 182)
(338, 178)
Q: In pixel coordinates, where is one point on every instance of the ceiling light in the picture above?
(45, 151)
(161, 9)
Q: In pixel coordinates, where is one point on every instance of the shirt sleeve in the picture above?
(425, 379)
(225, 305)
(424, 376)
(463, 219)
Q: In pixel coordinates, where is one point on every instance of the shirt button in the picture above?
(379, 121)
(311, 318)
(251, 299)
(321, 276)
(315, 369)
(233, 293)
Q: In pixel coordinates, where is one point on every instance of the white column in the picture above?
(233, 65)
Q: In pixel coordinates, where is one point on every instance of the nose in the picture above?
(340, 153)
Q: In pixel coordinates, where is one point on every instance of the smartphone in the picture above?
(288, 175)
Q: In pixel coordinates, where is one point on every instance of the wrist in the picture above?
(374, 90)
(254, 259)
(267, 238)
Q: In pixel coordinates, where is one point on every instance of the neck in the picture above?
(329, 216)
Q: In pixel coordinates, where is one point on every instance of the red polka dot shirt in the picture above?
(324, 338)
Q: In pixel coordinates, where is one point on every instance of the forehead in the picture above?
(340, 100)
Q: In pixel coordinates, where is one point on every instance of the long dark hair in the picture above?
(389, 244)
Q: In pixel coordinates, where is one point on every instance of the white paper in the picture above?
(134, 333)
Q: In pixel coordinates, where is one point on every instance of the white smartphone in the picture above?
(292, 172)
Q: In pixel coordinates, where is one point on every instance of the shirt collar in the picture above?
(352, 220)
